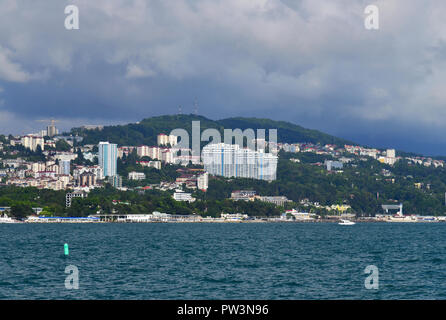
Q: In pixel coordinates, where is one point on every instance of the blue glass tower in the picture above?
(108, 158)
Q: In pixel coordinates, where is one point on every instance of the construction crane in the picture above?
(51, 129)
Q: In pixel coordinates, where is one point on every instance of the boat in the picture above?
(346, 223)
(6, 219)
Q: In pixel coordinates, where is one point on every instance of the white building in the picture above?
(183, 196)
(96, 170)
(203, 181)
(142, 151)
(390, 153)
(136, 175)
(167, 155)
(38, 166)
(150, 164)
(32, 141)
(164, 140)
(61, 156)
(231, 161)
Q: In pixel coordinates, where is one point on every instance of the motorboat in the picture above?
(346, 223)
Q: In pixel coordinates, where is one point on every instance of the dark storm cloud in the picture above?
(310, 62)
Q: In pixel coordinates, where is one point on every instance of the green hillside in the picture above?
(145, 131)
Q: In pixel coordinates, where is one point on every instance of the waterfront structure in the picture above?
(108, 158)
(234, 216)
(229, 160)
(399, 207)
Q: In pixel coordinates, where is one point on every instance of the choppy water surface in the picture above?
(223, 261)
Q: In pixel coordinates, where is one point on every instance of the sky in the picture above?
(310, 62)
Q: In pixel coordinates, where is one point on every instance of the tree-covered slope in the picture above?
(286, 131)
(145, 131)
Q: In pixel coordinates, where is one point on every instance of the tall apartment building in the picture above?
(108, 158)
(164, 139)
(51, 130)
(151, 152)
(115, 181)
(142, 151)
(203, 181)
(64, 167)
(229, 160)
(32, 141)
(87, 179)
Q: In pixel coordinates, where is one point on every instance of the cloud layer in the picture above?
(310, 62)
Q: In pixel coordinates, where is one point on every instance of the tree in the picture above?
(62, 145)
(80, 157)
(21, 210)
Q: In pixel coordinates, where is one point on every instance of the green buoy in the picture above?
(65, 247)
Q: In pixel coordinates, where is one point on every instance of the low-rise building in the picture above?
(136, 175)
(276, 200)
(246, 195)
(183, 196)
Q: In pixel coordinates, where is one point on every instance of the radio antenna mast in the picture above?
(196, 107)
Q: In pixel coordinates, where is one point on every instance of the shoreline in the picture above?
(226, 222)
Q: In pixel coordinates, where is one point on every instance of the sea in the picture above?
(223, 261)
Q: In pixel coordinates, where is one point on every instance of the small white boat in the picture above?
(346, 223)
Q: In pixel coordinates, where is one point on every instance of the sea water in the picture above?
(223, 261)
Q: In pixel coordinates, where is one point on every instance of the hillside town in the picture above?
(57, 169)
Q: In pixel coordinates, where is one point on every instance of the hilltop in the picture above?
(146, 131)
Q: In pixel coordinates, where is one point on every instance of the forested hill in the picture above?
(145, 132)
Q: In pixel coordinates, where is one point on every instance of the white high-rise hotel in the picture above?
(108, 158)
(229, 160)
